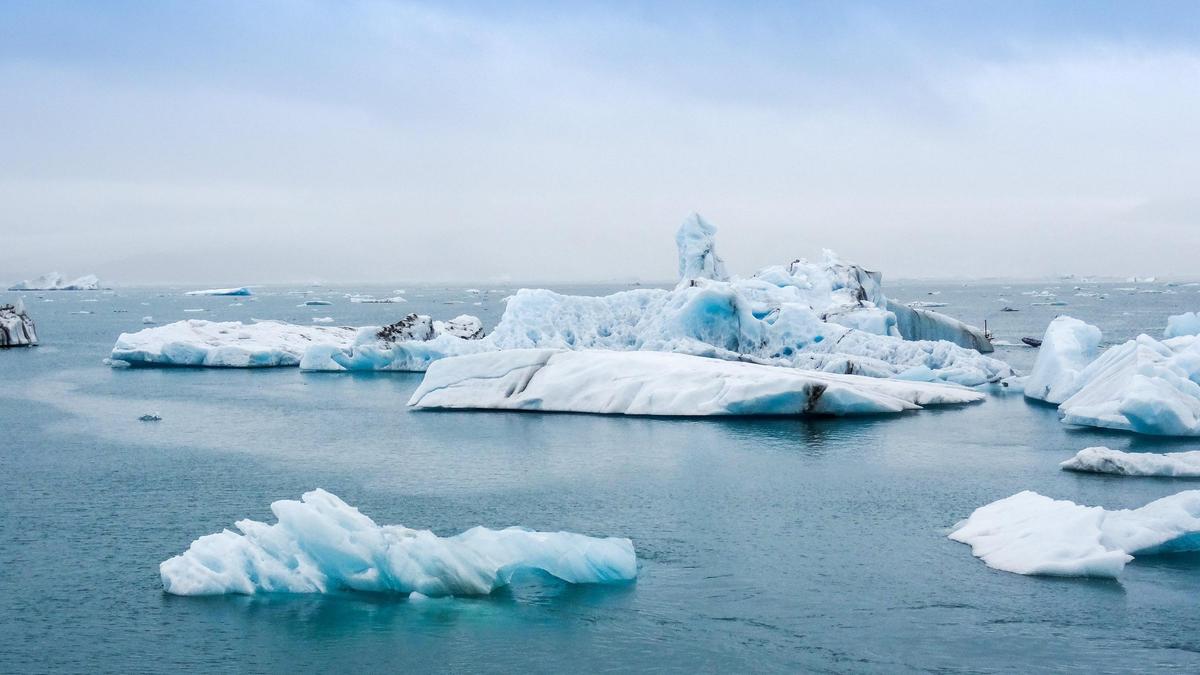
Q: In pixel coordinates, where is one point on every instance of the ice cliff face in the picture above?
(16, 326)
(320, 544)
(54, 281)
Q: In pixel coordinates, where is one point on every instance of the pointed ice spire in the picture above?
(698, 259)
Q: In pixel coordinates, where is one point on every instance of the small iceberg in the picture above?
(410, 344)
(150, 417)
(1066, 349)
(314, 303)
(371, 300)
(240, 290)
(660, 383)
(226, 344)
(320, 544)
(16, 326)
(1180, 325)
(1028, 533)
(56, 282)
(1107, 460)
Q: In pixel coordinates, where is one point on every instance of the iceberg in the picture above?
(1068, 346)
(698, 259)
(228, 344)
(240, 290)
(54, 281)
(1028, 533)
(915, 322)
(1184, 324)
(1107, 460)
(662, 383)
(410, 344)
(16, 326)
(320, 544)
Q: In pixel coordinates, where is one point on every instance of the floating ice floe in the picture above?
(57, 282)
(322, 545)
(371, 300)
(658, 383)
(1028, 533)
(230, 344)
(1180, 325)
(240, 290)
(922, 304)
(1145, 385)
(16, 326)
(322, 319)
(1107, 460)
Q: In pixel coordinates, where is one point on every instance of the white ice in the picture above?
(657, 383)
(322, 545)
(1107, 460)
(54, 281)
(1028, 533)
(240, 290)
(1068, 346)
(230, 344)
(1178, 325)
(410, 344)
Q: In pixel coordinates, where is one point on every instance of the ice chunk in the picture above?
(1028, 533)
(229, 344)
(410, 344)
(16, 326)
(1107, 460)
(655, 383)
(1068, 346)
(56, 282)
(916, 323)
(1178, 325)
(322, 545)
(697, 246)
(150, 417)
(240, 290)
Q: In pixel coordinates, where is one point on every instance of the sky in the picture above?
(250, 142)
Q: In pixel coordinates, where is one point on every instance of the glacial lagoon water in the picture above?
(764, 545)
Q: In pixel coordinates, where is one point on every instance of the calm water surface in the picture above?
(764, 545)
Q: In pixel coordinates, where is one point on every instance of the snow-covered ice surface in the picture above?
(54, 281)
(240, 290)
(229, 344)
(1107, 460)
(1068, 346)
(1028, 533)
(16, 326)
(322, 545)
(656, 383)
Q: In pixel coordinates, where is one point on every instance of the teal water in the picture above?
(764, 545)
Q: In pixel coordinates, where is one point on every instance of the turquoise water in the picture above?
(764, 545)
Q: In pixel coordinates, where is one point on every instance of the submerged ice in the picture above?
(656, 383)
(322, 545)
(1028, 533)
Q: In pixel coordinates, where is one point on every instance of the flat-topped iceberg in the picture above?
(322, 545)
(54, 281)
(227, 344)
(660, 383)
(1145, 385)
(239, 290)
(1107, 460)
(1028, 533)
(16, 326)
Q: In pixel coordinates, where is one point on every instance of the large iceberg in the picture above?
(657, 383)
(16, 326)
(239, 290)
(322, 545)
(229, 344)
(1028, 533)
(830, 316)
(54, 281)
(1107, 460)
(1068, 346)
(1145, 385)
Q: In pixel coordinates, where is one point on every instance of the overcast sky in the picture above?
(245, 142)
